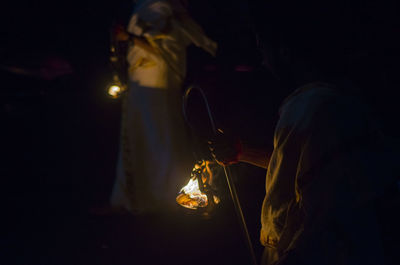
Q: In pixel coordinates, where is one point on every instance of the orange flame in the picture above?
(191, 196)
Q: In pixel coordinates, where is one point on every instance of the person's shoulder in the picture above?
(149, 8)
(313, 89)
(310, 94)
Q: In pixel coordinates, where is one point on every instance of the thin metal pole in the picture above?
(239, 212)
(229, 180)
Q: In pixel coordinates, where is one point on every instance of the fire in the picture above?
(191, 196)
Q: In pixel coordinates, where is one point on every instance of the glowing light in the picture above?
(116, 87)
(191, 196)
(114, 91)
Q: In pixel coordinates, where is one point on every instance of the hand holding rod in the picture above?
(229, 180)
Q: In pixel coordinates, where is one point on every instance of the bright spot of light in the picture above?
(114, 91)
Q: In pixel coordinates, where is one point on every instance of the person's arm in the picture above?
(228, 150)
(255, 156)
(121, 35)
(144, 44)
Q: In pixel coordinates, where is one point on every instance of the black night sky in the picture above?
(60, 136)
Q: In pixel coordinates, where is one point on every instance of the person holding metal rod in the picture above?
(331, 170)
(154, 159)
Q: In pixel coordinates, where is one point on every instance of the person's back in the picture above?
(326, 172)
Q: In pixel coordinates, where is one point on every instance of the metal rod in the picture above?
(229, 180)
(210, 116)
(239, 212)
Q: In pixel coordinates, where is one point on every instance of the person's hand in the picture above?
(120, 34)
(225, 149)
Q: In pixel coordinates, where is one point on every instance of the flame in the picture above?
(191, 196)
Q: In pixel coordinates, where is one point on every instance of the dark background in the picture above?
(60, 137)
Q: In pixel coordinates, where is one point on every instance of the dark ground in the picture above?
(60, 140)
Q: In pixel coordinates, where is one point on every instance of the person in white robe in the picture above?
(155, 158)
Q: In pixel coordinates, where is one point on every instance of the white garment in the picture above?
(322, 179)
(155, 160)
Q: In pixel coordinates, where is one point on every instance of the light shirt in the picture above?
(168, 29)
(322, 176)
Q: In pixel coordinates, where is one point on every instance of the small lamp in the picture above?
(115, 88)
(199, 194)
